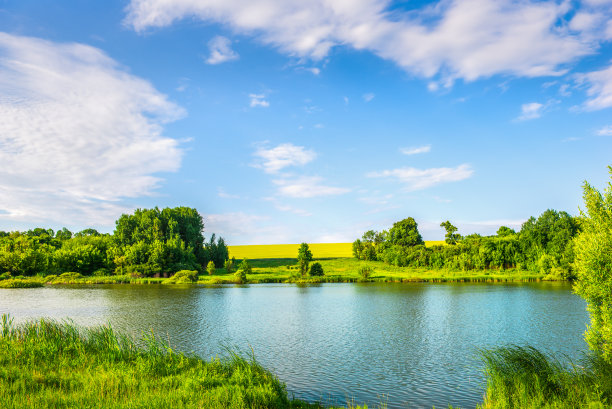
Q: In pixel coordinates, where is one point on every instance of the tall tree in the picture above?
(304, 258)
(451, 237)
(593, 265)
(405, 233)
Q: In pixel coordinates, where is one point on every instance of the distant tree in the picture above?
(451, 237)
(210, 268)
(229, 265)
(505, 231)
(316, 269)
(87, 233)
(304, 258)
(405, 233)
(593, 249)
(243, 270)
(358, 249)
(63, 234)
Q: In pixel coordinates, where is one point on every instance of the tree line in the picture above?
(544, 244)
(148, 242)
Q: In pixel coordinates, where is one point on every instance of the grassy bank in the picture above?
(525, 378)
(52, 365)
(337, 270)
(348, 270)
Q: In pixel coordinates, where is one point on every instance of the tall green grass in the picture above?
(525, 378)
(46, 364)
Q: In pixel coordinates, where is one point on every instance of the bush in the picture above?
(5, 276)
(241, 277)
(316, 269)
(101, 272)
(14, 283)
(182, 277)
(365, 271)
(229, 265)
(210, 268)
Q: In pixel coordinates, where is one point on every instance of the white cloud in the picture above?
(282, 156)
(416, 179)
(78, 134)
(314, 70)
(368, 97)
(531, 110)
(307, 187)
(221, 51)
(599, 88)
(605, 131)
(224, 195)
(258, 100)
(467, 39)
(416, 150)
(291, 209)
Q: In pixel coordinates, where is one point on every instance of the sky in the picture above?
(292, 121)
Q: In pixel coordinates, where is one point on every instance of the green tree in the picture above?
(316, 269)
(504, 231)
(304, 258)
(210, 268)
(593, 250)
(451, 237)
(405, 233)
(229, 265)
(243, 270)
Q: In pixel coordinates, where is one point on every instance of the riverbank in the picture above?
(336, 270)
(50, 364)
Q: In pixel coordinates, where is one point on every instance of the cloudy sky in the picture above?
(290, 121)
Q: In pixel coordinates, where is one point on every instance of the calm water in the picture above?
(407, 345)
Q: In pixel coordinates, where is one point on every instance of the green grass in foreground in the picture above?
(46, 364)
(525, 378)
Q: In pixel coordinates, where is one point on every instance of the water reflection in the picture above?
(407, 345)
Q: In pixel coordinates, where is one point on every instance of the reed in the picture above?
(50, 364)
(526, 378)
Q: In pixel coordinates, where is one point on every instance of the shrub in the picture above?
(365, 271)
(241, 277)
(210, 268)
(5, 276)
(182, 277)
(229, 265)
(316, 269)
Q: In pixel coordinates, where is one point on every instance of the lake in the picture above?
(403, 345)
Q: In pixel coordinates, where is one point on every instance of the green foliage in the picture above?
(20, 283)
(544, 245)
(243, 269)
(316, 269)
(405, 233)
(216, 251)
(451, 237)
(230, 265)
(593, 249)
(182, 277)
(210, 268)
(365, 271)
(304, 258)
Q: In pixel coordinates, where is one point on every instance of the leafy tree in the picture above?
(593, 263)
(229, 265)
(451, 237)
(210, 268)
(63, 234)
(243, 270)
(304, 258)
(504, 231)
(358, 249)
(405, 233)
(316, 269)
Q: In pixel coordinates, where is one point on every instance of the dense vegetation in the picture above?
(150, 242)
(544, 245)
(45, 364)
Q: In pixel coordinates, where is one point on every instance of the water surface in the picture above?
(406, 345)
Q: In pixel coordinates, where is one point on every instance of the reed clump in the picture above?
(525, 378)
(49, 364)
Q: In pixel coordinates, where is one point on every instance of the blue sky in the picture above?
(292, 121)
